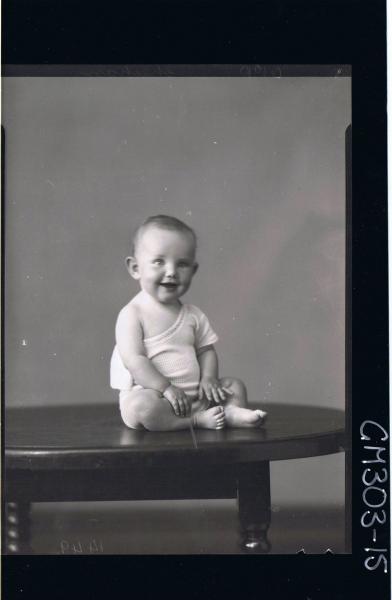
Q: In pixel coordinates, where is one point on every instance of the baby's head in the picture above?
(163, 258)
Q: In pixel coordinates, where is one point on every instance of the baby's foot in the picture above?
(213, 418)
(237, 416)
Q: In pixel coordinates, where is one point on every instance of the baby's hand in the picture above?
(212, 388)
(179, 400)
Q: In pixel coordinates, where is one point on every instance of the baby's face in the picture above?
(164, 263)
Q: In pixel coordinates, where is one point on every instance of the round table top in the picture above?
(94, 436)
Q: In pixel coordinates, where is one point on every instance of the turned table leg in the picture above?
(254, 504)
(17, 528)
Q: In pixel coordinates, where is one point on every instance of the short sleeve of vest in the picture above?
(204, 334)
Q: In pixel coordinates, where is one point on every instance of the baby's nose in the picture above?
(170, 271)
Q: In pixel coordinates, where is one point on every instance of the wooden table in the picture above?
(75, 453)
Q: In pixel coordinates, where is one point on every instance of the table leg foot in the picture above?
(17, 529)
(255, 542)
(254, 504)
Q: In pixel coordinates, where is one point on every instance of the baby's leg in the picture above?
(146, 409)
(236, 411)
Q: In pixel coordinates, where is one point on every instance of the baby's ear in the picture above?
(132, 267)
(195, 267)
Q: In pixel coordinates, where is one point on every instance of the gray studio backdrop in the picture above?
(255, 165)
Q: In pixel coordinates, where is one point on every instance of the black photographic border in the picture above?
(350, 33)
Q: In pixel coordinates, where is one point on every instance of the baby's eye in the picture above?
(183, 264)
(157, 261)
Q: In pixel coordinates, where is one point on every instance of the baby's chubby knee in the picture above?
(137, 405)
(235, 385)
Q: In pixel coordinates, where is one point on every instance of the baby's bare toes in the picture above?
(220, 422)
(262, 414)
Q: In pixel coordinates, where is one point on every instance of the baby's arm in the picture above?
(129, 340)
(209, 368)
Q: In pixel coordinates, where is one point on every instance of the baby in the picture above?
(164, 362)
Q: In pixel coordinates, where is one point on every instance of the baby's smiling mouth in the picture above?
(169, 284)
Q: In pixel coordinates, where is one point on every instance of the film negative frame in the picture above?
(365, 571)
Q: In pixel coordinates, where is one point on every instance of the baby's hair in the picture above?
(164, 222)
